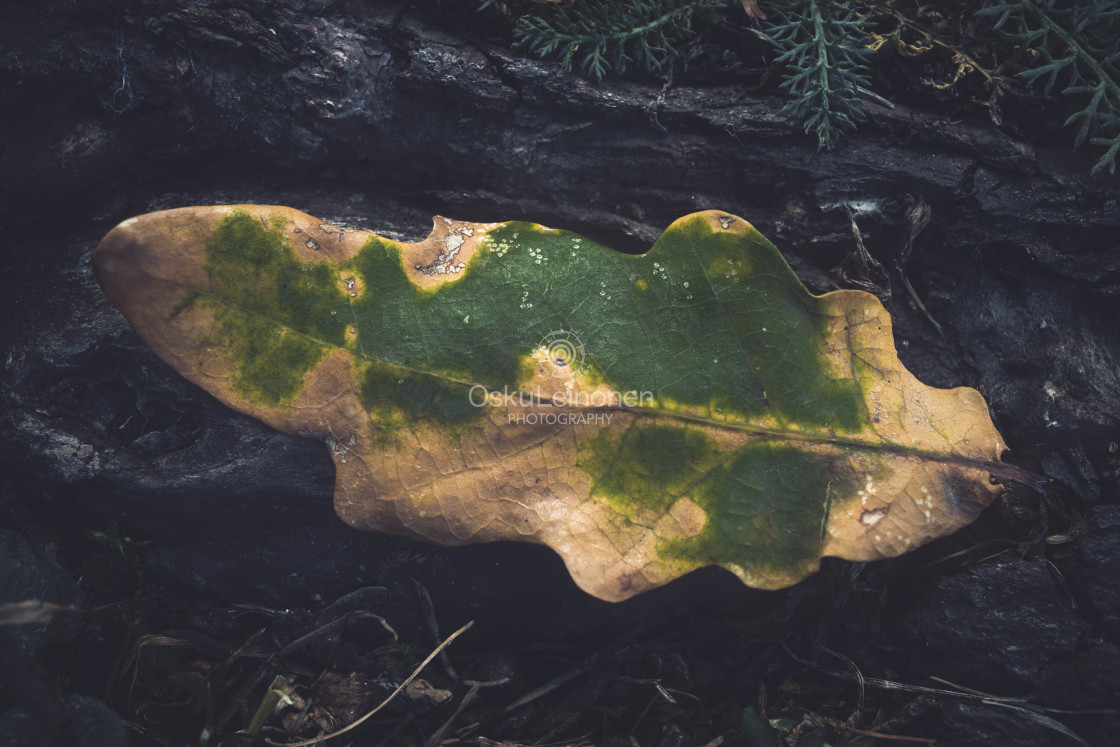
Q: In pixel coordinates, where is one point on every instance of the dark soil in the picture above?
(197, 551)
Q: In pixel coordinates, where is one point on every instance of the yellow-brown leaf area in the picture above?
(931, 443)
(270, 310)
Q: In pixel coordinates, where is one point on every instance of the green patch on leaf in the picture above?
(647, 467)
(766, 508)
(465, 333)
(253, 269)
(764, 503)
(276, 316)
(745, 341)
(271, 359)
(737, 349)
(418, 393)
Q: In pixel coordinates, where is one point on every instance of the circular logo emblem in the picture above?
(562, 354)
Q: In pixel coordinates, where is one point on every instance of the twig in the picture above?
(989, 75)
(32, 611)
(544, 689)
(1019, 705)
(859, 675)
(917, 301)
(415, 673)
(864, 733)
(1007, 544)
(437, 738)
(868, 266)
(889, 685)
(433, 625)
(918, 215)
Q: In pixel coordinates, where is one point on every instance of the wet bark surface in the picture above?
(378, 115)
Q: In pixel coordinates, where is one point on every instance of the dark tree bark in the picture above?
(377, 115)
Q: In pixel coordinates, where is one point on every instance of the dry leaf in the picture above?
(31, 611)
(752, 9)
(642, 415)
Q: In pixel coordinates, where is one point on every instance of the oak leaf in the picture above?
(643, 415)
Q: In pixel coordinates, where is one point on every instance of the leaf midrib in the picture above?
(775, 433)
